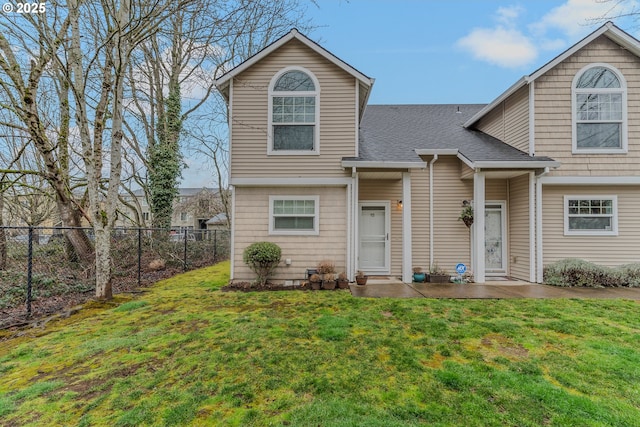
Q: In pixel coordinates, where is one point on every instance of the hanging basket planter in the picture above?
(466, 215)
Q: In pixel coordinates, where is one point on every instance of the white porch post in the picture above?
(539, 252)
(355, 216)
(406, 228)
(478, 225)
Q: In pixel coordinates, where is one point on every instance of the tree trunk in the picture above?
(103, 263)
(3, 236)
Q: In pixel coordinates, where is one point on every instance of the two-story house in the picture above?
(550, 166)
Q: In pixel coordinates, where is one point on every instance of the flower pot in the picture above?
(316, 286)
(419, 277)
(329, 285)
(343, 284)
(439, 278)
(362, 280)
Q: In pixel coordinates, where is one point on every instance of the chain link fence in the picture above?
(39, 276)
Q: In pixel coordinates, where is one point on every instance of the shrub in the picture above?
(577, 272)
(630, 275)
(262, 258)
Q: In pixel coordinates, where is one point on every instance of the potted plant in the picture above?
(466, 215)
(361, 279)
(438, 275)
(326, 267)
(329, 281)
(315, 281)
(343, 281)
(418, 275)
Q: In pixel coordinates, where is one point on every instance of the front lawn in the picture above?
(185, 353)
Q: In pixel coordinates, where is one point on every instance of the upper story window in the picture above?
(600, 110)
(294, 112)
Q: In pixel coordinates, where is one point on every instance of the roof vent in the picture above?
(458, 111)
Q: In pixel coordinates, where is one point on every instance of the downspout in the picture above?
(435, 157)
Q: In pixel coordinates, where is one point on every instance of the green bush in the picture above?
(262, 258)
(577, 272)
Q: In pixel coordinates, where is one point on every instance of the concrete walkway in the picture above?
(494, 290)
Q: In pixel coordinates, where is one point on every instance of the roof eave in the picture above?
(293, 34)
(522, 164)
(382, 164)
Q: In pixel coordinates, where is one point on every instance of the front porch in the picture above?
(406, 218)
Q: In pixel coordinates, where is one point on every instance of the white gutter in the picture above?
(383, 164)
(517, 164)
(435, 157)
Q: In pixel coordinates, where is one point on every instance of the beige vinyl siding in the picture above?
(252, 225)
(495, 189)
(518, 229)
(509, 121)
(606, 250)
(451, 237)
(553, 131)
(420, 218)
(250, 118)
(387, 190)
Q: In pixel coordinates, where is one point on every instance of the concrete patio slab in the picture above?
(384, 290)
(495, 290)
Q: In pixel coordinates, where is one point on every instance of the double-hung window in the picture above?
(293, 113)
(591, 215)
(293, 215)
(600, 111)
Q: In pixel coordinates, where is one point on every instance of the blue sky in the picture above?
(447, 51)
(455, 51)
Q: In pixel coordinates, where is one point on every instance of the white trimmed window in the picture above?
(294, 113)
(600, 110)
(590, 215)
(293, 215)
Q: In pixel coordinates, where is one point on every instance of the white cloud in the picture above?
(510, 43)
(507, 15)
(506, 47)
(575, 17)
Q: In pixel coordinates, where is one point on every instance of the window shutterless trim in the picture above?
(316, 124)
(293, 232)
(622, 90)
(613, 215)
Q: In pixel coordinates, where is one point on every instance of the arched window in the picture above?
(294, 112)
(600, 110)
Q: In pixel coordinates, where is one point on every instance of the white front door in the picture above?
(494, 237)
(374, 237)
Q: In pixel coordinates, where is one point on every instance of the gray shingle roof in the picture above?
(392, 133)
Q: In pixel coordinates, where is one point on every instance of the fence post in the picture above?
(184, 266)
(215, 244)
(139, 253)
(29, 270)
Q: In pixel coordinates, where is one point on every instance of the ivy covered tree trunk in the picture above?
(164, 155)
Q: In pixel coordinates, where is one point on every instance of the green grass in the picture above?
(186, 353)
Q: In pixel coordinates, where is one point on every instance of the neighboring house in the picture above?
(192, 208)
(218, 222)
(550, 166)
